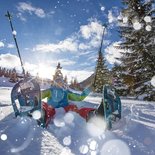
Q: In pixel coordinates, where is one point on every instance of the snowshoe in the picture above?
(111, 104)
(109, 108)
(26, 97)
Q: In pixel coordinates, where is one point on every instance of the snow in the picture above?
(92, 144)
(125, 20)
(69, 118)
(153, 81)
(14, 32)
(115, 147)
(134, 134)
(147, 19)
(36, 114)
(96, 126)
(4, 82)
(137, 25)
(67, 140)
(148, 28)
(4, 137)
(102, 8)
(84, 149)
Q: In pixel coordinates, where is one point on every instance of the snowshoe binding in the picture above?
(109, 108)
(26, 98)
(112, 105)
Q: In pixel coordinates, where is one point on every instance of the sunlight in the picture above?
(45, 71)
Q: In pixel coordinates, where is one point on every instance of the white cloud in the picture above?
(51, 13)
(9, 60)
(93, 58)
(88, 37)
(92, 33)
(11, 46)
(12, 61)
(66, 62)
(111, 17)
(111, 53)
(40, 12)
(27, 7)
(31, 67)
(1, 44)
(68, 44)
(20, 15)
(93, 29)
(114, 16)
(83, 46)
(79, 74)
(45, 70)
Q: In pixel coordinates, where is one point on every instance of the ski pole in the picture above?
(8, 15)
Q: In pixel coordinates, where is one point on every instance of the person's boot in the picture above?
(100, 110)
(97, 112)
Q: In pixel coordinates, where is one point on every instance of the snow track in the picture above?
(50, 144)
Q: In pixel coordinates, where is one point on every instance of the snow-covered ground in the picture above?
(69, 134)
(4, 82)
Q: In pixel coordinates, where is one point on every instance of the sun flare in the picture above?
(45, 71)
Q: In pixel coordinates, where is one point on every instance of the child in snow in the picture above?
(58, 96)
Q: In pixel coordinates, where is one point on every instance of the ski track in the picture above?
(138, 126)
(50, 145)
(136, 129)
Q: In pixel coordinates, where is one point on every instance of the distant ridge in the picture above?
(87, 81)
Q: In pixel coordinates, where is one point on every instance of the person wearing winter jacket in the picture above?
(58, 96)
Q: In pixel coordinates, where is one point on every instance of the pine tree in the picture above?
(138, 33)
(58, 76)
(3, 71)
(71, 84)
(117, 80)
(27, 74)
(101, 71)
(66, 79)
(101, 74)
(13, 77)
(7, 73)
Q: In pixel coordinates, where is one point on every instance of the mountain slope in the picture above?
(87, 81)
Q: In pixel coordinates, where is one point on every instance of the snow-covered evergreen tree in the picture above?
(137, 29)
(13, 77)
(58, 76)
(117, 80)
(66, 79)
(101, 74)
(27, 74)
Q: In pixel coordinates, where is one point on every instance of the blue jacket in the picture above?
(58, 97)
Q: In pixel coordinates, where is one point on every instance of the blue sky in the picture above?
(51, 31)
